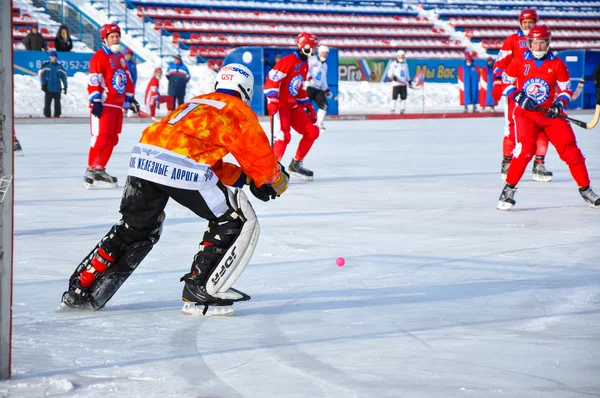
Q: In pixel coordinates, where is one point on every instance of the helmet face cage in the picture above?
(306, 43)
(238, 78)
(539, 32)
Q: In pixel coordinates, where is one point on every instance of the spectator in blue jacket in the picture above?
(131, 65)
(52, 73)
(178, 76)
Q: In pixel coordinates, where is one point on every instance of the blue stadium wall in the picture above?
(260, 60)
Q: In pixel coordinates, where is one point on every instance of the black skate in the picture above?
(539, 172)
(295, 168)
(99, 178)
(17, 148)
(199, 303)
(590, 196)
(507, 197)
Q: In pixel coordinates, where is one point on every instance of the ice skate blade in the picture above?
(300, 176)
(194, 309)
(504, 205)
(100, 185)
(540, 178)
(64, 307)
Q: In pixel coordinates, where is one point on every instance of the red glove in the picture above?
(311, 112)
(499, 87)
(272, 105)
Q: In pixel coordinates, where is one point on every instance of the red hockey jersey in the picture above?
(542, 80)
(109, 78)
(514, 46)
(152, 94)
(286, 81)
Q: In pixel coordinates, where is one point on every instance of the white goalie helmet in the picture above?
(236, 77)
(323, 49)
(400, 53)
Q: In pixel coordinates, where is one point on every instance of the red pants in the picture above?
(508, 144)
(163, 99)
(529, 125)
(105, 135)
(298, 119)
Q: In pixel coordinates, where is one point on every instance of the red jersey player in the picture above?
(287, 97)
(513, 47)
(153, 99)
(540, 79)
(109, 87)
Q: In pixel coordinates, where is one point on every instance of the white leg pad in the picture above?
(237, 257)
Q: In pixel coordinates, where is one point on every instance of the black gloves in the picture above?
(45, 88)
(134, 105)
(394, 78)
(555, 109)
(264, 193)
(97, 107)
(271, 191)
(524, 101)
(65, 90)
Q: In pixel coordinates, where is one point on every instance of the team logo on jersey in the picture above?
(295, 85)
(119, 81)
(537, 89)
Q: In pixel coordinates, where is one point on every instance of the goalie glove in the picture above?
(270, 191)
(524, 101)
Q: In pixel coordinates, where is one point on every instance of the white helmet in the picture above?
(400, 53)
(322, 49)
(236, 77)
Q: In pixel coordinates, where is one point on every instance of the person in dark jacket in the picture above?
(52, 74)
(34, 41)
(596, 78)
(178, 76)
(63, 41)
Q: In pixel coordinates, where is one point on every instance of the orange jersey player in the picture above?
(539, 80)
(514, 47)
(181, 157)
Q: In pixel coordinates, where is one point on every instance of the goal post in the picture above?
(6, 191)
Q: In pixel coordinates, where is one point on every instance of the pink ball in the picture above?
(340, 261)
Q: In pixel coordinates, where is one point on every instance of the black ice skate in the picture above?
(295, 168)
(504, 168)
(77, 298)
(507, 197)
(99, 178)
(590, 196)
(199, 303)
(539, 172)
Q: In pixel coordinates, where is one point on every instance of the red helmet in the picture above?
(468, 57)
(128, 51)
(306, 43)
(540, 32)
(109, 28)
(528, 14)
(157, 70)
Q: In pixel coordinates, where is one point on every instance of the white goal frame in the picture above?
(6, 176)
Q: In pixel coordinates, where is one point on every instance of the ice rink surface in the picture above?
(442, 295)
